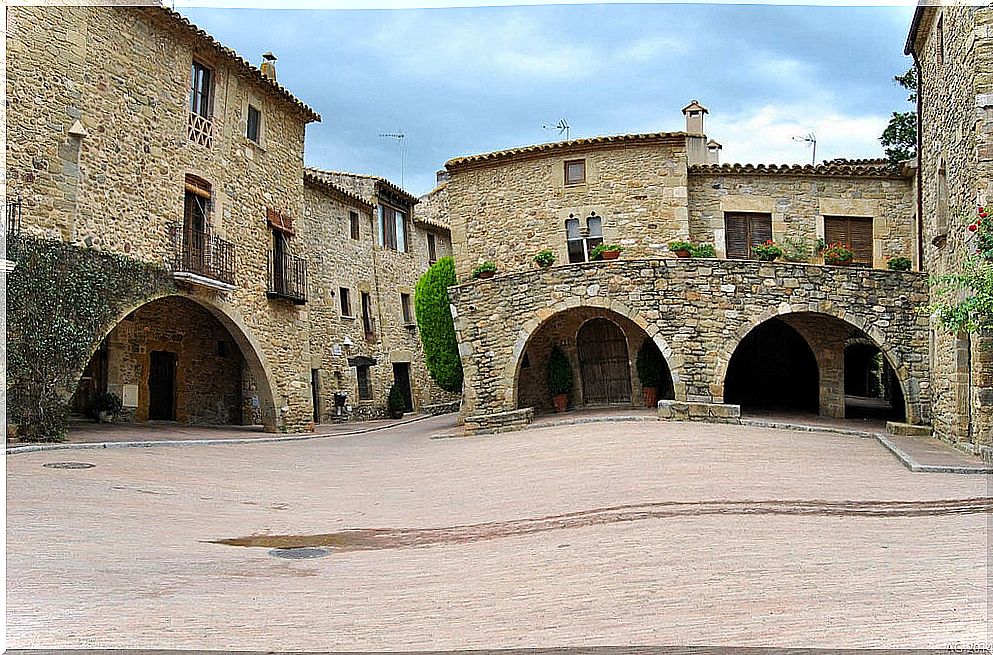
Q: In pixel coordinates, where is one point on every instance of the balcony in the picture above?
(287, 278)
(203, 258)
(201, 130)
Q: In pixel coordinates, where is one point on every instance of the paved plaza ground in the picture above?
(596, 534)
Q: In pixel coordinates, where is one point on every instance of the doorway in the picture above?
(604, 363)
(162, 386)
(401, 378)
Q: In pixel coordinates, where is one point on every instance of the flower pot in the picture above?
(651, 396)
(485, 275)
(560, 402)
(837, 262)
(682, 254)
(610, 254)
(105, 417)
(769, 258)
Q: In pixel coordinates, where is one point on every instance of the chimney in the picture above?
(713, 152)
(694, 117)
(441, 176)
(268, 67)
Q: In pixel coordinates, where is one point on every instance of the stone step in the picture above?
(908, 430)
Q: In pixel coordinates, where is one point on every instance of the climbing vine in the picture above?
(61, 299)
(964, 299)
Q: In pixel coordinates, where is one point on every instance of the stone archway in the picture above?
(227, 326)
(827, 332)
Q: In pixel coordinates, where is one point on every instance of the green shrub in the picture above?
(796, 249)
(597, 252)
(899, 263)
(651, 365)
(545, 258)
(704, 250)
(485, 267)
(680, 245)
(434, 323)
(106, 402)
(395, 402)
(559, 372)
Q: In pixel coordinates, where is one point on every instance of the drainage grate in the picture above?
(299, 553)
(68, 465)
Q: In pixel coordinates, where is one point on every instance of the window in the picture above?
(408, 314)
(254, 124)
(575, 171)
(855, 232)
(346, 302)
(196, 206)
(581, 241)
(365, 389)
(744, 230)
(353, 224)
(368, 323)
(940, 37)
(941, 226)
(392, 228)
(200, 90)
(432, 249)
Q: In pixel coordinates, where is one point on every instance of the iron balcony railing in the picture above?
(12, 208)
(287, 277)
(203, 253)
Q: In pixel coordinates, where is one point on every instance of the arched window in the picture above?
(580, 239)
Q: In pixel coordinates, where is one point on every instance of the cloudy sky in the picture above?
(470, 80)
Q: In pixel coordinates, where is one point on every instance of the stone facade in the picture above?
(697, 312)
(363, 266)
(953, 52)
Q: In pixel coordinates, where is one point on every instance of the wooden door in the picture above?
(401, 378)
(162, 386)
(604, 365)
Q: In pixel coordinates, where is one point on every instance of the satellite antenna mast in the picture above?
(399, 136)
(562, 126)
(812, 140)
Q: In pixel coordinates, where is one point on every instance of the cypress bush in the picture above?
(435, 325)
(650, 365)
(559, 372)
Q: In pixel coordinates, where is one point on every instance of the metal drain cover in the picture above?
(68, 465)
(299, 553)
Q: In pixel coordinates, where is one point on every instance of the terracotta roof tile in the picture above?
(835, 167)
(313, 177)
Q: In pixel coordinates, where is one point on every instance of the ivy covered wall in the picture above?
(61, 301)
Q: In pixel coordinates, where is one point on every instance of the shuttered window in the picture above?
(744, 230)
(854, 232)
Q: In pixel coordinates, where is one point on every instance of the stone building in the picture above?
(174, 170)
(794, 335)
(952, 48)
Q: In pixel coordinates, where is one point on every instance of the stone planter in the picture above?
(560, 402)
(485, 275)
(610, 254)
(837, 262)
(682, 254)
(650, 395)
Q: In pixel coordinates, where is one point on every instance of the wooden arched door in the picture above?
(604, 364)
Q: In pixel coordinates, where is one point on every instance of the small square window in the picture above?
(346, 301)
(254, 124)
(575, 171)
(353, 224)
(408, 314)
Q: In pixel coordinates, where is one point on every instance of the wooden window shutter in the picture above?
(736, 236)
(759, 230)
(835, 230)
(860, 232)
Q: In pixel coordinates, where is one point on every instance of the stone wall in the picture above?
(956, 89)
(697, 311)
(798, 204)
(507, 209)
(124, 74)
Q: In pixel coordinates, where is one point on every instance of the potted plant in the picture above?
(606, 251)
(704, 251)
(395, 402)
(837, 254)
(559, 379)
(899, 263)
(545, 258)
(650, 365)
(768, 251)
(681, 248)
(105, 406)
(485, 270)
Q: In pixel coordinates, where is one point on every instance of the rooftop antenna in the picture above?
(812, 140)
(399, 136)
(562, 126)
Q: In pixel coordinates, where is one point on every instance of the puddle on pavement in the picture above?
(391, 538)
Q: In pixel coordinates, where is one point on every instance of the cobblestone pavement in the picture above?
(122, 554)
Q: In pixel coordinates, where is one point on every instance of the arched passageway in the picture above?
(601, 346)
(872, 389)
(173, 359)
(773, 368)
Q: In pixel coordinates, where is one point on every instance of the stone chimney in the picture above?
(713, 152)
(268, 67)
(694, 117)
(441, 176)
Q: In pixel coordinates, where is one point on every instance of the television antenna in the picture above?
(399, 136)
(562, 126)
(812, 140)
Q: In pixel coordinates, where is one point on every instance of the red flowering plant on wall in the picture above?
(964, 300)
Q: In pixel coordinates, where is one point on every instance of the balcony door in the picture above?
(196, 223)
